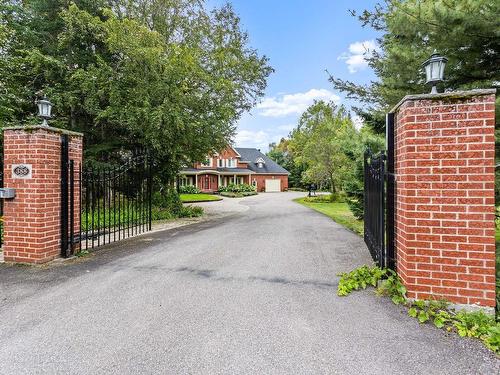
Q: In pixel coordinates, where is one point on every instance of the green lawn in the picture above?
(188, 198)
(339, 212)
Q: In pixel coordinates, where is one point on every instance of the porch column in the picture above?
(234, 179)
(196, 180)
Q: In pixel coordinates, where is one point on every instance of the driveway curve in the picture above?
(251, 292)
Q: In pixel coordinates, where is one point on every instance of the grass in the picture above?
(189, 198)
(338, 212)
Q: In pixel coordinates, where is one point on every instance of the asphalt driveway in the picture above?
(252, 292)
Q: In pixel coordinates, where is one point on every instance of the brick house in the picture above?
(236, 166)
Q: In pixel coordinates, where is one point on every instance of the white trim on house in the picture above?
(211, 171)
(210, 162)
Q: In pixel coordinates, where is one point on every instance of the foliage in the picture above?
(82, 253)
(325, 198)
(354, 178)
(237, 188)
(391, 286)
(284, 156)
(359, 278)
(169, 201)
(322, 142)
(338, 212)
(465, 31)
(189, 189)
(467, 324)
(328, 150)
(191, 211)
(168, 76)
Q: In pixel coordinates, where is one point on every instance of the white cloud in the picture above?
(358, 52)
(248, 138)
(288, 104)
(357, 121)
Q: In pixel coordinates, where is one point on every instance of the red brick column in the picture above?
(445, 180)
(32, 227)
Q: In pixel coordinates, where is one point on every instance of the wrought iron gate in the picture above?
(379, 204)
(114, 203)
(374, 206)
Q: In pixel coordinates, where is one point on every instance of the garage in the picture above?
(273, 186)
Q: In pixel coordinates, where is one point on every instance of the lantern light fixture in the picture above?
(434, 70)
(44, 110)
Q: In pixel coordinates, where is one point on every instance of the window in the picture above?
(207, 162)
(231, 163)
(220, 163)
(260, 162)
(186, 181)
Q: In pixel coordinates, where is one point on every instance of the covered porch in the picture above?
(211, 181)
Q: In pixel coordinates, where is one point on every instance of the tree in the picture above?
(465, 31)
(283, 155)
(323, 142)
(162, 75)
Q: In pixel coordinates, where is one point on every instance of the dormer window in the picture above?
(260, 162)
(231, 163)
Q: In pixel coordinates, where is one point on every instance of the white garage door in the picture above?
(273, 186)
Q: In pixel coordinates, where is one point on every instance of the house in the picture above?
(236, 166)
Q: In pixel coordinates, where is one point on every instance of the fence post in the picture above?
(445, 202)
(32, 220)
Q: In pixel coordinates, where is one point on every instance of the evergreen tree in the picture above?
(467, 32)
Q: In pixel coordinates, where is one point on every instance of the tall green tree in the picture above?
(322, 142)
(167, 76)
(465, 31)
(284, 156)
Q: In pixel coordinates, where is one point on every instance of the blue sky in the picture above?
(301, 38)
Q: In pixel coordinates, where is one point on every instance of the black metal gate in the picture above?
(114, 203)
(379, 204)
(374, 206)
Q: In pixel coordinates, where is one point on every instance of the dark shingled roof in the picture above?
(251, 155)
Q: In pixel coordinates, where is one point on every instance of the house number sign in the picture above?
(21, 171)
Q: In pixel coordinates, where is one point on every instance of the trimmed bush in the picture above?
(240, 188)
(189, 189)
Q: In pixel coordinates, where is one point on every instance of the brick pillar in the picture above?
(445, 180)
(32, 227)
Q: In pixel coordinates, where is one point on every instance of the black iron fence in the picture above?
(379, 201)
(114, 204)
(374, 206)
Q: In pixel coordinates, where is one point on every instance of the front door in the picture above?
(206, 183)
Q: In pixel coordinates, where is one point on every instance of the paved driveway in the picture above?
(250, 293)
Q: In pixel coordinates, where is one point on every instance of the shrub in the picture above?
(168, 200)
(326, 198)
(189, 189)
(240, 188)
(191, 211)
